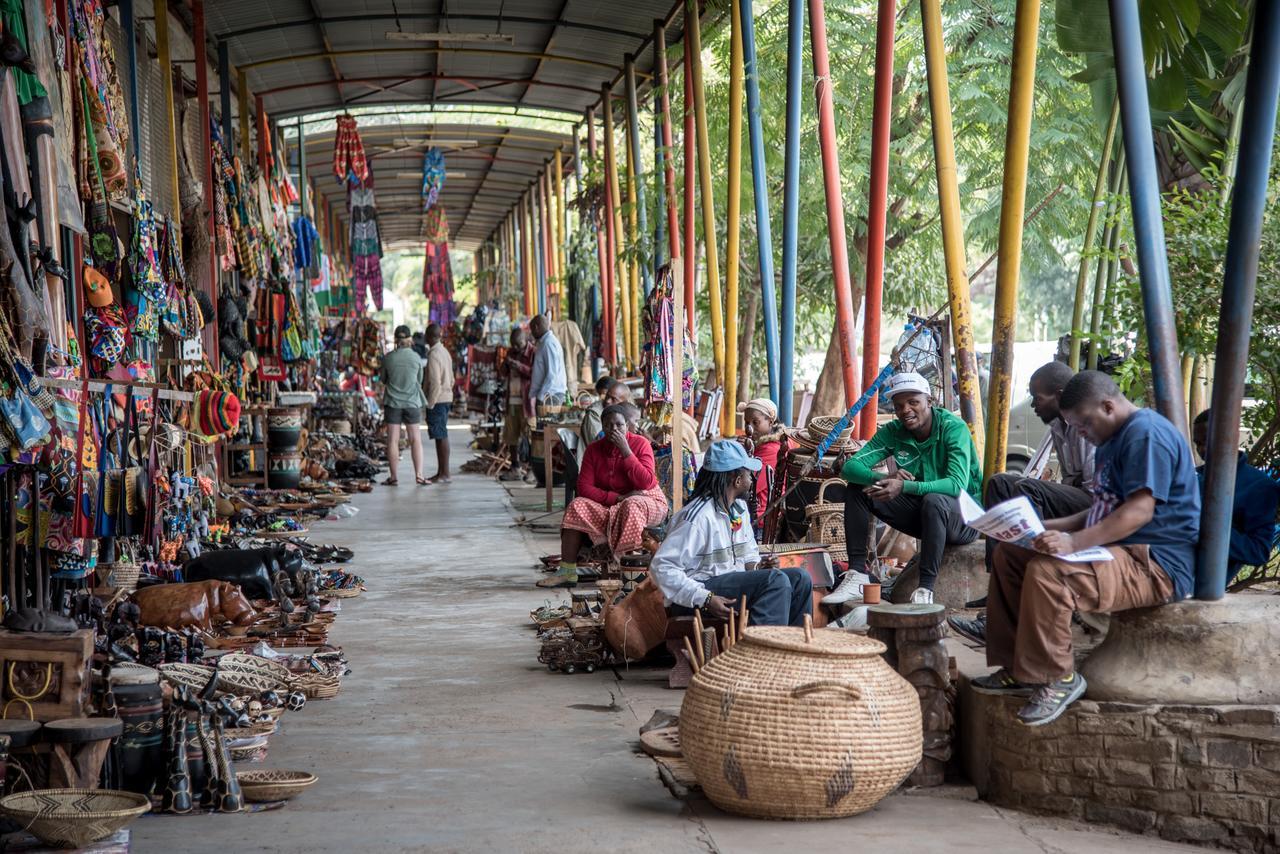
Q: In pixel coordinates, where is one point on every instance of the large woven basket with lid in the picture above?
(784, 728)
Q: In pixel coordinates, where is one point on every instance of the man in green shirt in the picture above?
(935, 458)
(402, 403)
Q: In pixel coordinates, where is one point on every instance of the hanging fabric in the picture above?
(349, 163)
(433, 174)
(659, 333)
(437, 273)
(366, 244)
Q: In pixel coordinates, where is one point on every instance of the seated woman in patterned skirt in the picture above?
(618, 494)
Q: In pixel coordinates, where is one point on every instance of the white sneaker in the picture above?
(922, 596)
(849, 588)
(855, 619)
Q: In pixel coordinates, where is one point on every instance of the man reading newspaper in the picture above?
(1145, 512)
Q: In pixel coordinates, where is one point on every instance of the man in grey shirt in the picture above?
(547, 385)
(402, 402)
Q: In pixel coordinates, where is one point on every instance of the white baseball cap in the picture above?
(908, 381)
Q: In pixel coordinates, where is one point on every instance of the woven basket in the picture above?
(245, 683)
(194, 676)
(273, 785)
(121, 574)
(780, 727)
(826, 522)
(340, 592)
(317, 686)
(242, 662)
(73, 818)
(821, 425)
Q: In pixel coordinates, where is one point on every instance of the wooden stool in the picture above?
(22, 735)
(680, 625)
(77, 749)
(913, 637)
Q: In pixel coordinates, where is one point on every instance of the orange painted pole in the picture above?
(614, 198)
(835, 202)
(604, 305)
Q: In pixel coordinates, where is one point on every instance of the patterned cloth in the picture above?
(366, 244)
(433, 174)
(349, 163)
(621, 525)
(437, 272)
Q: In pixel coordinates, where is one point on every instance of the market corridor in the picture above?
(449, 736)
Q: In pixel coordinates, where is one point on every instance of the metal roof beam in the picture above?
(346, 19)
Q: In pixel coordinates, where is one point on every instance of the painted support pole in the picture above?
(302, 169)
(539, 248)
(760, 194)
(693, 33)
(1090, 233)
(561, 265)
(690, 146)
(733, 226)
(668, 141)
(618, 286)
(242, 95)
(634, 240)
(206, 168)
(224, 90)
(1106, 267)
(835, 201)
(264, 142)
(637, 184)
(598, 306)
(676, 383)
(953, 245)
(1013, 202)
(878, 206)
(130, 26)
(166, 82)
(791, 209)
(1239, 281)
(522, 228)
(1148, 227)
(660, 191)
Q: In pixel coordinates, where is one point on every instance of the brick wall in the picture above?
(1203, 774)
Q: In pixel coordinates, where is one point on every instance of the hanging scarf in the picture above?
(150, 291)
(349, 163)
(433, 173)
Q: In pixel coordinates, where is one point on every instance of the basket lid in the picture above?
(826, 642)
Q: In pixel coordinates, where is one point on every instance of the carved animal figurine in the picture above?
(229, 797)
(176, 797)
(203, 604)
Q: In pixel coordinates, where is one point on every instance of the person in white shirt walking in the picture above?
(710, 558)
(547, 384)
(439, 383)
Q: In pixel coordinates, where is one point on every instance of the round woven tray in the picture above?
(243, 662)
(340, 592)
(273, 785)
(317, 686)
(785, 727)
(73, 818)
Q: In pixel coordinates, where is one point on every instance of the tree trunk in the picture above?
(746, 341)
(828, 395)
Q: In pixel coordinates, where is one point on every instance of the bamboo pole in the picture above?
(615, 218)
(835, 201)
(953, 244)
(693, 32)
(669, 170)
(166, 81)
(790, 210)
(733, 226)
(1090, 233)
(1012, 203)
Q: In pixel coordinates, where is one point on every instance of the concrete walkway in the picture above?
(449, 736)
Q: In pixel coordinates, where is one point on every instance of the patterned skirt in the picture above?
(621, 525)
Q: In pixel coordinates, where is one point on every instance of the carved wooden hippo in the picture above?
(204, 604)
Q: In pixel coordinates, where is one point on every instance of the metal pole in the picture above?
(539, 245)
(953, 246)
(614, 230)
(129, 24)
(1090, 232)
(835, 200)
(676, 384)
(561, 260)
(224, 90)
(1013, 201)
(733, 227)
(668, 143)
(206, 163)
(166, 81)
(693, 33)
(877, 206)
(791, 209)
(637, 181)
(263, 141)
(1240, 276)
(242, 94)
(1148, 227)
(599, 300)
(760, 193)
(690, 146)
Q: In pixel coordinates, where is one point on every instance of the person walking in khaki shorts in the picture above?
(1145, 512)
(402, 403)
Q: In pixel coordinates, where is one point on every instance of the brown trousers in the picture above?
(1031, 595)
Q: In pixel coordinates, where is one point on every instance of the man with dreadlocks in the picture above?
(710, 558)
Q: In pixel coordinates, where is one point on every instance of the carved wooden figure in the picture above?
(204, 604)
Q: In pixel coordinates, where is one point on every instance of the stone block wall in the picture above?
(1201, 774)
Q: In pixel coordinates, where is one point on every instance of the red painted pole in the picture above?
(673, 222)
(611, 245)
(202, 92)
(262, 137)
(835, 204)
(690, 178)
(881, 117)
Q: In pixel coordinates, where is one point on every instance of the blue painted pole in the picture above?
(790, 208)
(224, 90)
(1144, 194)
(1240, 277)
(760, 191)
(129, 25)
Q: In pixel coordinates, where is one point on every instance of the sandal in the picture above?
(438, 479)
(390, 482)
(422, 481)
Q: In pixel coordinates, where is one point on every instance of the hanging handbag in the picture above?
(104, 524)
(23, 420)
(82, 521)
(131, 512)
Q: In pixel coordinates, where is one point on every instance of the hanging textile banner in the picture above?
(433, 172)
(437, 274)
(366, 243)
(349, 163)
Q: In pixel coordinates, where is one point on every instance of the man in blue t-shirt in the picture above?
(1253, 509)
(1145, 512)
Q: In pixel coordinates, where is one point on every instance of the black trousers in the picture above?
(934, 519)
(1052, 500)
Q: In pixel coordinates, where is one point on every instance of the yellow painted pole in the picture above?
(246, 118)
(1012, 204)
(530, 258)
(615, 193)
(633, 240)
(953, 248)
(733, 226)
(166, 81)
(693, 27)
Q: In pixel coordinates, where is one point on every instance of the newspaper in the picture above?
(1015, 521)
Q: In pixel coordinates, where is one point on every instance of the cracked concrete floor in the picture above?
(449, 736)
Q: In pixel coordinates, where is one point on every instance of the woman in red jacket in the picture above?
(767, 442)
(618, 495)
